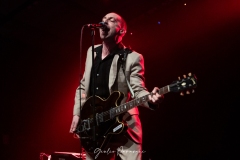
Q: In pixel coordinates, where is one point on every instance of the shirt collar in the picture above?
(117, 49)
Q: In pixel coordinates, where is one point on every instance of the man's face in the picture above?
(113, 23)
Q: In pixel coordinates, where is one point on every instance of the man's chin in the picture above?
(104, 37)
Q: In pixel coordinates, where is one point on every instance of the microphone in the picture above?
(99, 25)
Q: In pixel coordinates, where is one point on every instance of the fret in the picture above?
(164, 90)
(138, 101)
(161, 91)
(101, 117)
(143, 99)
(131, 104)
(112, 111)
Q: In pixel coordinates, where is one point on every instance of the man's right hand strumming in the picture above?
(74, 124)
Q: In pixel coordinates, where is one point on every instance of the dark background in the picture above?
(40, 71)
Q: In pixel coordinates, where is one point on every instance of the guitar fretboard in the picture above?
(113, 112)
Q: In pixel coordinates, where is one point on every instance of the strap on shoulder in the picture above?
(123, 58)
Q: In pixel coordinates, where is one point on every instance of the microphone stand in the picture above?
(94, 86)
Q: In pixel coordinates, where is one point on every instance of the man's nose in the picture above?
(105, 21)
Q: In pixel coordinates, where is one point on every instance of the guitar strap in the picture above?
(123, 58)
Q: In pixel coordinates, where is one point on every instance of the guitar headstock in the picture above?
(187, 83)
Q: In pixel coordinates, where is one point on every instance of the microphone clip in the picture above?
(99, 25)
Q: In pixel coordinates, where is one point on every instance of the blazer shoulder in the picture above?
(135, 55)
(95, 46)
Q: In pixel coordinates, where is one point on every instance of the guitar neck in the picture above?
(136, 102)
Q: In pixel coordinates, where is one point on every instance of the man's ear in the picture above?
(122, 31)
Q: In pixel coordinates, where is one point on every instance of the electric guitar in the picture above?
(108, 114)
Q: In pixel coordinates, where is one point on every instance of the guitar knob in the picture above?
(181, 94)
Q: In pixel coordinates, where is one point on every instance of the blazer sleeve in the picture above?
(80, 88)
(137, 80)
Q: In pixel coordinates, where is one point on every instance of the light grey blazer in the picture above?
(134, 72)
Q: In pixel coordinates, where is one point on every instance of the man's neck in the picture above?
(107, 48)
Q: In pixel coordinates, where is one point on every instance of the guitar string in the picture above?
(162, 90)
(130, 103)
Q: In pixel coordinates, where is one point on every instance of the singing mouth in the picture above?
(105, 29)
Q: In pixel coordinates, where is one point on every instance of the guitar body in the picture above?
(108, 114)
(104, 130)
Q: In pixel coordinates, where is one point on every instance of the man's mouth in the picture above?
(105, 29)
